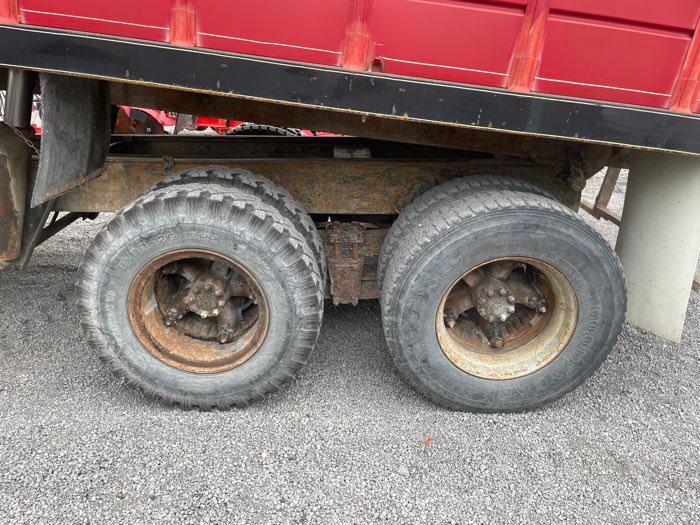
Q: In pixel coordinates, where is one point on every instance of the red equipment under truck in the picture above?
(465, 132)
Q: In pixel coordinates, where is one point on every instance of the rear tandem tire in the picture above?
(269, 192)
(462, 234)
(453, 189)
(210, 219)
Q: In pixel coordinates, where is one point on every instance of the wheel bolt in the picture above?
(490, 293)
(503, 292)
(217, 293)
(543, 309)
(203, 315)
(215, 311)
(207, 286)
(503, 317)
(511, 299)
(511, 309)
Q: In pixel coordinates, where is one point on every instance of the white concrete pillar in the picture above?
(659, 240)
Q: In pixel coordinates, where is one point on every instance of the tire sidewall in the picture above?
(550, 238)
(123, 261)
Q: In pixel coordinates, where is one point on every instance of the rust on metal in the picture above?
(198, 311)
(345, 261)
(600, 209)
(506, 318)
(322, 186)
(367, 251)
(14, 179)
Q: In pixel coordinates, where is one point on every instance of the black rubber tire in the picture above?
(446, 191)
(249, 128)
(268, 191)
(460, 234)
(226, 221)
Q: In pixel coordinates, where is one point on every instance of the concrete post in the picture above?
(659, 240)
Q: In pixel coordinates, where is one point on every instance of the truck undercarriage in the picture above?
(454, 206)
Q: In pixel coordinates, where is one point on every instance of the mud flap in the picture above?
(75, 134)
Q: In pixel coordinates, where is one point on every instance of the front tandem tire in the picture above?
(201, 295)
(501, 301)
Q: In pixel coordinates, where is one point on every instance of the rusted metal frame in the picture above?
(352, 247)
(57, 224)
(15, 155)
(34, 222)
(599, 209)
(540, 148)
(345, 263)
(322, 186)
(249, 147)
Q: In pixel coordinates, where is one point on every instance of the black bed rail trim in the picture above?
(358, 92)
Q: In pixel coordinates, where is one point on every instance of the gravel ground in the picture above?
(348, 442)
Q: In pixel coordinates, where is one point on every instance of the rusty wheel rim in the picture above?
(198, 311)
(506, 318)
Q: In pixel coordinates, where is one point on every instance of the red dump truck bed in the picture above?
(449, 61)
(624, 51)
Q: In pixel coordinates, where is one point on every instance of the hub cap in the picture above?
(198, 311)
(507, 318)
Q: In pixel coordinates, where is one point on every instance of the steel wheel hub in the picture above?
(198, 311)
(506, 318)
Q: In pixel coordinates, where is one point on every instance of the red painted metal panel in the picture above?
(302, 30)
(686, 93)
(679, 14)
(469, 42)
(9, 12)
(148, 20)
(610, 61)
(628, 51)
(529, 47)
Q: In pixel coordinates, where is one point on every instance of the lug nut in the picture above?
(503, 317)
(217, 293)
(490, 293)
(511, 309)
(503, 292)
(208, 286)
(222, 339)
(215, 311)
(543, 309)
(222, 302)
(511, 299)
(203, 315)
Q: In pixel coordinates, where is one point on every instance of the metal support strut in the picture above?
(15, 156)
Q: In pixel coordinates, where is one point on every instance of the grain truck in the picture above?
(460, 135)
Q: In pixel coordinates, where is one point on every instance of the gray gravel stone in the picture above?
(348, 442)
